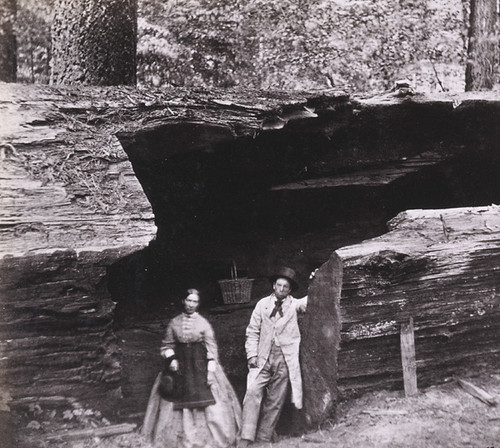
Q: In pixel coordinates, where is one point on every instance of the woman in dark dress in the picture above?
(206, 413)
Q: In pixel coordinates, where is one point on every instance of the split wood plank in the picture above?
(408, 358)
(477, 392)
(321, 341)
(106, 431)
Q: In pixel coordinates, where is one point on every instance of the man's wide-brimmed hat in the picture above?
(288, 273)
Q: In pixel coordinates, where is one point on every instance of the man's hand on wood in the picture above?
(252, 362)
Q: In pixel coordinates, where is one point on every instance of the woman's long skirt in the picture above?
(214, 426)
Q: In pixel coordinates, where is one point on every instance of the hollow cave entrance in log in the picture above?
(249, 199)
(283, 197)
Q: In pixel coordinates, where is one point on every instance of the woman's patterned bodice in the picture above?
(189, 328)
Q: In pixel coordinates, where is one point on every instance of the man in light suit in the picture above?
(272, 347)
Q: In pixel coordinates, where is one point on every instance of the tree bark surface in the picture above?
(439, 266)
(483, 46)
(8, 50)
(70, 208)
(320, 342)
(94, 42)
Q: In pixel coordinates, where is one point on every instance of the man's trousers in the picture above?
(258, 424)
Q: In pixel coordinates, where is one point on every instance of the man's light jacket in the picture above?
(263, 329)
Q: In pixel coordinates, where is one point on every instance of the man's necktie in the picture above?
(277, 308)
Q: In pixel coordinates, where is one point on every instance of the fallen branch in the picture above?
(106, 431)
(377, 412)
(477, 392)
(50, 401)
(311, 439)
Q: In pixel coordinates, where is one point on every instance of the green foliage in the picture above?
(362, 45)
(357, 45)
(33, 41)
(36, 417)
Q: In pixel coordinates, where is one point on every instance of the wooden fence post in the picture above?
(408, 358)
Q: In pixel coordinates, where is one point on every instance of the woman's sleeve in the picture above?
(210, 342)
(168, 342)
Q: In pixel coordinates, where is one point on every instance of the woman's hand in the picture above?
(211, 372)
(174, 365)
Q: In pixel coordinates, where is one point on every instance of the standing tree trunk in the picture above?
(8, 53)
(94, 42)
(482, 51)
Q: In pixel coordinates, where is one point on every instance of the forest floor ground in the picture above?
(440, 416)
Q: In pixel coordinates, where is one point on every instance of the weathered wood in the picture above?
(40, 217)
(56, 401)
(320, 342)
(477, 392)
(442, 268)
(81, 195)
(311, 439)
(72, 168)
(378, 412)
(71, 206)
(106, 431)
(343, 147)
(368, 178)
(59, 338)
(408, 358)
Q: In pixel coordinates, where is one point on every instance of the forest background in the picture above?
(351, 45)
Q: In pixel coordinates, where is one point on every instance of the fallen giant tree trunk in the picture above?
(70, 208)
(440, 267)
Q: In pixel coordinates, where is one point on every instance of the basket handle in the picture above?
(234, 271)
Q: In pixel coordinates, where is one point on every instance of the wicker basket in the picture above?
(236, 291)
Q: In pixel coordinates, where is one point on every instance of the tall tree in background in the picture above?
(482, 52)
(94, 42)
(8, 54)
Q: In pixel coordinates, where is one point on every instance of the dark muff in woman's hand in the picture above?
(170, 386)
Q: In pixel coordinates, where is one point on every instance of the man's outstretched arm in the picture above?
(302, 304)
